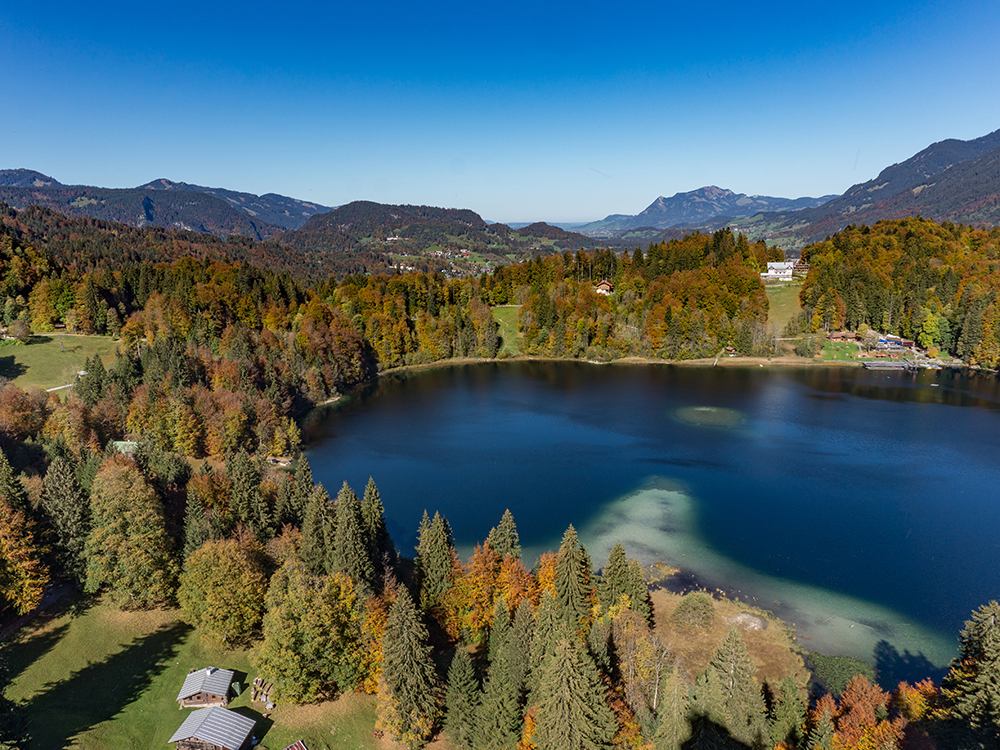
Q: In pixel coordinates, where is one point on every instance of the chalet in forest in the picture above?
(214, 729)
(604, 287)
(206, 687)
(781, 271)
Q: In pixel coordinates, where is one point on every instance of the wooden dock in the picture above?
(893, 364)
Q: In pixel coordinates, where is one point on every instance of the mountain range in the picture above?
(952, 180)
(695, 208)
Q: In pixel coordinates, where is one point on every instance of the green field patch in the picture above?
(840, 351)
(53, 359)
(506, 317)
(94, 677)
(783, 304)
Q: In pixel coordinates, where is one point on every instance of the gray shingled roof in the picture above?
(216, 726)
(209, 680)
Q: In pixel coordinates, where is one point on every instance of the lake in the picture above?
(861, 506)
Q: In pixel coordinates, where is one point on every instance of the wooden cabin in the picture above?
(214, 728)
(206, 687)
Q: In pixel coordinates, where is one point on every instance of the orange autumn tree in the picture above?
(468, 605)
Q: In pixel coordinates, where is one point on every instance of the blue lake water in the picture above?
(861, 506)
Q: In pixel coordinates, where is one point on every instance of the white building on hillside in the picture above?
(778, 271)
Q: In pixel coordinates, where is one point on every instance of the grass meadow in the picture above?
(783, 304)
(94, 677)
(506, 316)
(53, 359)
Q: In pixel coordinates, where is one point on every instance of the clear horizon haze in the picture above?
(519, 111)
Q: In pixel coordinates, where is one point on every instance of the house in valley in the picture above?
(604, 287)
(206, 687)
(214, 728)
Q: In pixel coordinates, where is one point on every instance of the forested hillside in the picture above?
(221, 356)
(933, 283)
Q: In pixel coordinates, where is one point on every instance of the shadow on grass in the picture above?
(99, 691)
(19, 653)
(10, 368)
(262, 724)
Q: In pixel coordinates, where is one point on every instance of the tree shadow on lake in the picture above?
(81, 700)
(894, 667)
(10, 368)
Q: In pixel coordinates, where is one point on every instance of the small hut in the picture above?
(206, 687)
(214, 728)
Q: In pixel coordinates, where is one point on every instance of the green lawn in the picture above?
(840, 351)
(783, 302)
(93, 677)
(52, 359)
(506, 316)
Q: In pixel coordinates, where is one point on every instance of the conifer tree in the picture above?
(821, 727)
(289, 507)
(69, 511)
(573, 590)
(971, 689)
(521, 636)
(435, 561)
(11, 489)
(408, 705)
(572, 711)
(318, 532)
(381, 549)
(728, 693)
(350, 543)
(197, 527)
(623, 576)
(673, 728)
(498, 719)
(787, 715)
(247, 505)
(500, 631)
(128, 550)
(503, 538)
(549, 629)
(461, 700)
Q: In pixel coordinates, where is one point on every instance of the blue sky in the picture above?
(521, 111)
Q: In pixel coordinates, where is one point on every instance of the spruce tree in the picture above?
(500, 631)
(728, 694)
(572, 582)
(197, 527)
(498, 719)
(317, 532)
(971, 689)
(69, 510)
(503, 538)
(381, 551)
(461, 700)
(350, 543)
(787, 715)
(289, 507)
(572, 711)
(435, 561)
(549, 629)
(303, 480)
(247, 504)
(11, 489)
(521, 636)
(409, 701)
(623, 576)
(673, 728)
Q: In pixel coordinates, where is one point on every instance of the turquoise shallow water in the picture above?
(835, 497)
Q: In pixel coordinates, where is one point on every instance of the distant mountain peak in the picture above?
(26, 178)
